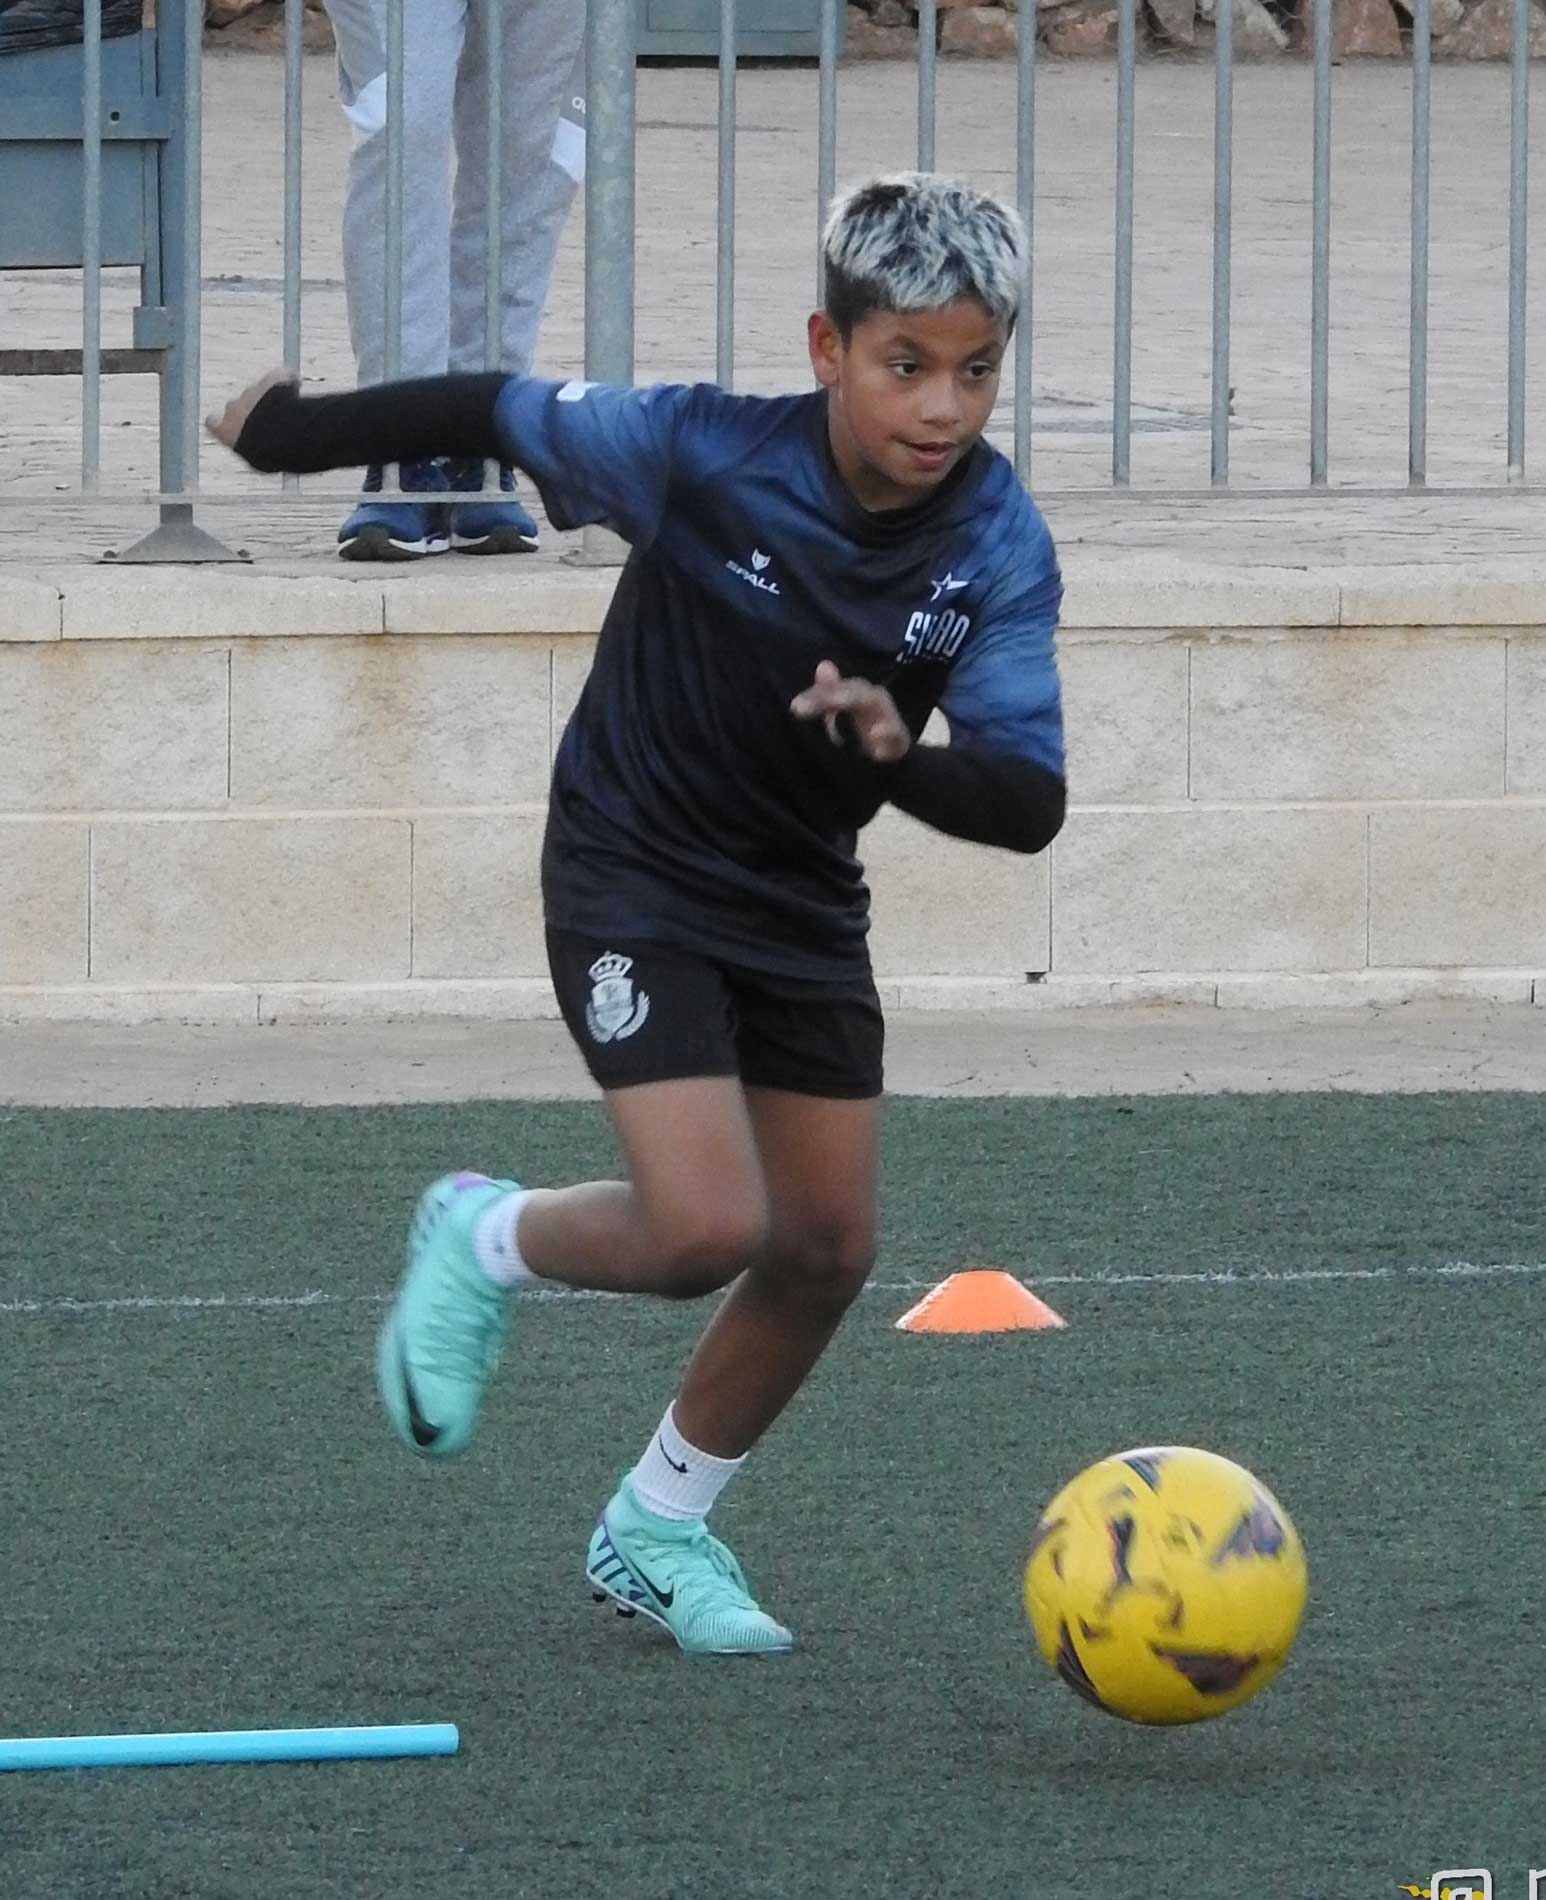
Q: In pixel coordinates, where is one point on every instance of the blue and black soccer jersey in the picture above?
(689, 805)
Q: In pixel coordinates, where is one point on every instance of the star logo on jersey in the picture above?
(948, 585)
(757, 574)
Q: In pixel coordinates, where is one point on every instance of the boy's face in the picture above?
(908, 395)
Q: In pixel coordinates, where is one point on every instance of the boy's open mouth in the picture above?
(930, 454)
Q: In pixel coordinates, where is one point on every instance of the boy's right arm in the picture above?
(596, 453)
(276, 429)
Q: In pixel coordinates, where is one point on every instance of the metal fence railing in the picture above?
(99, 165)
(610, 202)
(75, 122)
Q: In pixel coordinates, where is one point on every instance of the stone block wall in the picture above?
(888, 29)
(243, 796)
(1461, 29)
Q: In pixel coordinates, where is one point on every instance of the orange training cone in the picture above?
(980, 1302)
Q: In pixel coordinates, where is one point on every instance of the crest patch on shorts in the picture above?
(617, 1006)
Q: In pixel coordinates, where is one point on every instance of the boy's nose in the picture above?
(942, 406)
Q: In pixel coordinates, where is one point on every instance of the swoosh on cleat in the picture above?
(621, 1566)
(665, 1598)
(424, 1433)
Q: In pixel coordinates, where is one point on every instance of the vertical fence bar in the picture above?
(192, 286)
(1320, 248)
(493, 24)
(609, 192)
(1417, 375)
(826, 133)
(1223, 212)
(493, 184)
(724, 282)
(1122, 378)
(294, 16)
(91, 244)
(392, 256)
(928, 34)
(1025, 203)
(610, 38)
(1518, 234)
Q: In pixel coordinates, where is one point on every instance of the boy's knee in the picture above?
(829, 1261)
(699, 1253)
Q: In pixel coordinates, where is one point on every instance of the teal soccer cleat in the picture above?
(440, 1342)
(682, 1577)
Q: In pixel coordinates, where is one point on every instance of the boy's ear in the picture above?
(826, 347)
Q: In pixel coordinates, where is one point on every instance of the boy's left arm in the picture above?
(1000, 780)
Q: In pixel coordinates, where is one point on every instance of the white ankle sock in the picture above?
(675, 1479)
(494, 1242)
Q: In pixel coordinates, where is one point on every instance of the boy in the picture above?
(810, 577)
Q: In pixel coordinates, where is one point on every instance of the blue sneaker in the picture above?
(398, 530)
(488, 527)
(682, 1577)
(440, 1342)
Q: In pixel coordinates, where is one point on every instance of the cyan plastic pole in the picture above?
(229, 1745)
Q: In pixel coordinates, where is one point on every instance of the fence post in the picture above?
(1122, 374)
(1320, 249)
(1223, 212)
(1025, 200)
(1417, 371)
(610, 30)
(180, 50)
(1518, 230)
(724, 282)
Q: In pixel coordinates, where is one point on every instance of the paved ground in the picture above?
(43, 519)
(1072, 326)
(1074, 1052)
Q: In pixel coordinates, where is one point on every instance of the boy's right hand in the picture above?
(878, 727)
(227, 426)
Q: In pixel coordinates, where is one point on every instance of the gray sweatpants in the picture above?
(445, 81)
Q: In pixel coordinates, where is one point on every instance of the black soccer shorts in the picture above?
(654, 1012)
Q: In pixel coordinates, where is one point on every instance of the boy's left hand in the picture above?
(880, 728)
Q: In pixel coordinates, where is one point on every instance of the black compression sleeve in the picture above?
(392, 422)
(985, 797)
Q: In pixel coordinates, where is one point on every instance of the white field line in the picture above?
(47, 1306)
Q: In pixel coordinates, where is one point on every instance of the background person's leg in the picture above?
(432, 37)
(542, 90)
(432, 44)
(541, 81)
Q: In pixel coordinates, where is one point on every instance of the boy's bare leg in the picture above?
(692, 1214)
(776, 1188)
(820, 1161)
(649, 1552)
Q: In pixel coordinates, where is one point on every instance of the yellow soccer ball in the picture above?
(1165, 1585)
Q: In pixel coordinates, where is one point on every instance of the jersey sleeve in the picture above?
(598, 453)
(1003, 693)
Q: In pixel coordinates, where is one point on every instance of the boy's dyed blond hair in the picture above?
(914, 241)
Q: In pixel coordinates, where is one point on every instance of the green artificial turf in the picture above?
(207, 1524)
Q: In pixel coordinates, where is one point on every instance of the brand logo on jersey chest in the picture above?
(755, 575)
(934, 636)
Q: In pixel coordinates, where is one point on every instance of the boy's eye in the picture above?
(977, 371)
(904, 366)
